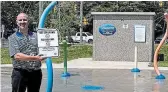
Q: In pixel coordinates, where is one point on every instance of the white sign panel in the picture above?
(48, 42)
(140, 33)
(47, 37)
(49, 51)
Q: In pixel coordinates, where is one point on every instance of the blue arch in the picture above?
(48, 60)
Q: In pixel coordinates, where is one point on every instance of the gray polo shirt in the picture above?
(19, 43)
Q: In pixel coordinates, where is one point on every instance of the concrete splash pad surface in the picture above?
(112, 80)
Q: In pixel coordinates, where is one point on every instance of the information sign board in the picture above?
(47, 37)
(140, 33)
(48, 42)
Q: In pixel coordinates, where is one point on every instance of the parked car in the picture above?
(7, 33)
(87, 37)
(158, 40)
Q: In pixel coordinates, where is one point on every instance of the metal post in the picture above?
(59, 19)
(40, 8)
(0, 20)
(81, 18)
(135, 69)
(65, 56)
(117, 6)
(1, 34)
(135, 57)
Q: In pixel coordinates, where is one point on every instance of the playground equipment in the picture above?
(92, 88)
(65, 73)
(159, 75)
(48, 60)
(135, 69)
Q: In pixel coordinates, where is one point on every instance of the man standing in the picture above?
(23, 50)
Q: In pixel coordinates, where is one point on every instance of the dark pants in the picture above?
(22, 79)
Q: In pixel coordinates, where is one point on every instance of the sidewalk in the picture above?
(90, 64)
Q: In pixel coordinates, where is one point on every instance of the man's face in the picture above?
(22, 21)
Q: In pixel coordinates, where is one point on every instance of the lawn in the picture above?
(80, 51)
(74, 52)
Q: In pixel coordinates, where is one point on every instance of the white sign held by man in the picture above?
(47, 36)
(48, 42)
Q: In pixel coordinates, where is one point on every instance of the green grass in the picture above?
(5, 59)
(80, 51)
(163, 50)
(74, 52)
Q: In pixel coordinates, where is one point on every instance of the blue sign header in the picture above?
(107, 29)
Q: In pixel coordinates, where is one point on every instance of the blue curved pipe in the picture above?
(45, 13)
(48, 60)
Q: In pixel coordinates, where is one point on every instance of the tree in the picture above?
(69, 11)
(68, 20)
(10, 9)
(128, 6)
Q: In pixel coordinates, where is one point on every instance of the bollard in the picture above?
(161, 76)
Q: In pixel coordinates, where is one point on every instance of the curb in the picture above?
(56, 66)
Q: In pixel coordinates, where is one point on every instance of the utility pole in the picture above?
(59, 19)
(59, 15)
(2, 30)
(40, 8)
(0, 18)
(81, 23)
(117, 6)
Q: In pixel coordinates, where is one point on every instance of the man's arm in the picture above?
(16, 54)
(24, 57)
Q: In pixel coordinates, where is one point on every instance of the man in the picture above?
(23, 50)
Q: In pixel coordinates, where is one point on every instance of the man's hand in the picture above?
(43, 58)
(39, 58)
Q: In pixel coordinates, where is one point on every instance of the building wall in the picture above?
(120, 46)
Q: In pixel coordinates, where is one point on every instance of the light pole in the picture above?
(40, 8)
(0, 20)
(81, 18)
(59, 19)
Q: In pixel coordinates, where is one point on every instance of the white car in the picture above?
(87, 37)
